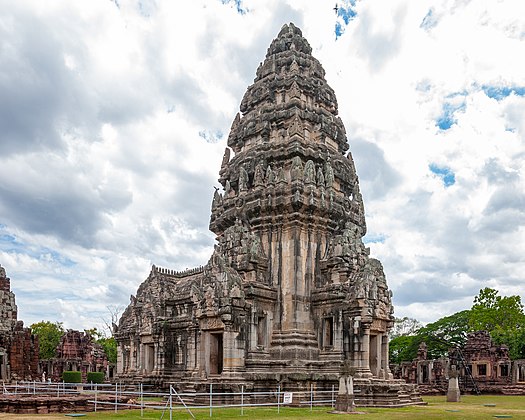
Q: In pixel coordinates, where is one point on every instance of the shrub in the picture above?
(95, 377)
(72, 377)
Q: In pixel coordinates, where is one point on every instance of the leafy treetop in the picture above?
(501, 316)
(49, 334)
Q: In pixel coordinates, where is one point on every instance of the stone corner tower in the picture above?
(290, 294)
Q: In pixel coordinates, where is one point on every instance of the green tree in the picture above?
(502, 317)
(403, 348)
(109, 344)
(49, 334)
(495, 313)
(441, 335)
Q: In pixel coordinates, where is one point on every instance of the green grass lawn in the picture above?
(470, 407)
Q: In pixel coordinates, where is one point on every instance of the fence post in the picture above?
(333, 396)
(311, 396)
(116, 397)
(171, 402)
(211, 400)
(278, 399)
(242, 400)
(95, 398)
(141, 399)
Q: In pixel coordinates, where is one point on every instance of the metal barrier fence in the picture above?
(121, 396)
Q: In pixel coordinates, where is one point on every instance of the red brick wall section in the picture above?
(23, 355)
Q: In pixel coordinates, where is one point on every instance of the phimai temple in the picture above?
(290, 295)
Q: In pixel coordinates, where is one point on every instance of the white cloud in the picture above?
(103, 171)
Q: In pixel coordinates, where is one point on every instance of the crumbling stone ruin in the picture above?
(79, 352)
(18, 347)
(480, 364)
(290, 293)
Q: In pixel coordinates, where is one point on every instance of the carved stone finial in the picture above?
(309, 172)
(270, 175)
(329, 173)
(243, 179)
(297, 168)
(320, 178)
(225, 158)
(259, 175)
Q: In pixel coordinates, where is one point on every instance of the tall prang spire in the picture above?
(289, 111)
(291, 187)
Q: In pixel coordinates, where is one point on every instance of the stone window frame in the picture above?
(503, 370)
(481, 369)
(328, 332)
(262, 331)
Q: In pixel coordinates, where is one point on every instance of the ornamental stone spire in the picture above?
(289, 123)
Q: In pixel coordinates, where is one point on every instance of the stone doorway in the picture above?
(520, 374)
(149, 357)
(374, 355)
(3, 368)
(216, 353)
(425, 374)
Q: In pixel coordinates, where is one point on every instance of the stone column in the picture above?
(133, 355)
(384, 359)
(227, 351)
(364, 355)
(233, 358)
(140, 357)
(338, 333)
(378, 351)
(190, 350)
(120, 359)
(158, 364)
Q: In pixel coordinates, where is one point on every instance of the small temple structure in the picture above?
(76, 351)
(290, 294)
(481, 365)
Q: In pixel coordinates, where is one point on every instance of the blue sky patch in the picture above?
(237, 4)
(211, 136)
(10, 244)
(447, 118)
(374, 238)
(447, 176)
(429, 21)
(501, 92)
(345, 14)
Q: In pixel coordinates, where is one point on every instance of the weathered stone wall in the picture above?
(23, 354)
(18, 347)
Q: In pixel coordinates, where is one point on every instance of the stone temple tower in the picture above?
(291, 186)
(290, 294)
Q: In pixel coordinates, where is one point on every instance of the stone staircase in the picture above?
(517, 389)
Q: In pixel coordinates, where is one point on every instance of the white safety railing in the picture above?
(123, 396)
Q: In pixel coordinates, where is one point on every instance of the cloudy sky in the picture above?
(114, 117)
